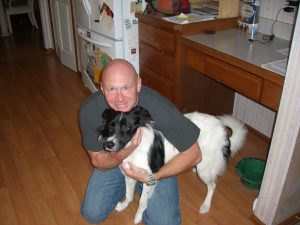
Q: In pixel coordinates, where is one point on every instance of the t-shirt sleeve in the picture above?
(89, 131)
(179, 130)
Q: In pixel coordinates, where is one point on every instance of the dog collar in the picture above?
(151, 180)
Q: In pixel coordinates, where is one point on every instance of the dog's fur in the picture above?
(155, 150)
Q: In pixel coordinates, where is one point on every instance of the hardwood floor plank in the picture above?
(7, 213)
(61, 213)
(20, 201)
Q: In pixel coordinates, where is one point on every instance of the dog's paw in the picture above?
(204, 208)
(121, 206)
(138, 218)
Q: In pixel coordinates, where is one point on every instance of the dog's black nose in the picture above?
(109, 145)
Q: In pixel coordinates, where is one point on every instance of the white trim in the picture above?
(3, 26)
(284, 138)
(46, 24)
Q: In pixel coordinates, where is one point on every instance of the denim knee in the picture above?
(92, 216)
(162, 220)
(163, 205)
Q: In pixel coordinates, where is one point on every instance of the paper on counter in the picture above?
(188, 18)
(278, 66)
(284, 51)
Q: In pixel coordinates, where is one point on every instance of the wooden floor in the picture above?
(43, 167)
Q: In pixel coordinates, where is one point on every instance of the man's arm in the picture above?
(178, 164)
(104, 160)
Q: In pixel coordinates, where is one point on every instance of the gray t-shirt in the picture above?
(180, 131)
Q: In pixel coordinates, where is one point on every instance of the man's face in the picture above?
(120, 89)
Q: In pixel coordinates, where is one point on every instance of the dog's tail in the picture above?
(239, 132)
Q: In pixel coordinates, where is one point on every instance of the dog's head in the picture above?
(118, 128)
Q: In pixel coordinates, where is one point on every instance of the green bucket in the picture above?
(251, 171)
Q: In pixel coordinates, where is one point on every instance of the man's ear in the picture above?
(139, 84)
(100, 85)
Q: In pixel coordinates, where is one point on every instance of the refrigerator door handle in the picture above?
(80, 33)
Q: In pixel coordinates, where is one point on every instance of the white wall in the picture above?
(279, 194)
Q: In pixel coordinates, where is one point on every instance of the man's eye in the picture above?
(111, 89)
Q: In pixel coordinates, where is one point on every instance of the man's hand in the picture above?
(137, 138)
(134, 172)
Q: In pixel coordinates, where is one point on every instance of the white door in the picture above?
(63, 26)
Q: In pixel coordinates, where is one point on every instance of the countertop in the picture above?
(234, 42)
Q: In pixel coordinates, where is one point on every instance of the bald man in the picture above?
(121, 89)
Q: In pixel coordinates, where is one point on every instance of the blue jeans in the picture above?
(106, 188)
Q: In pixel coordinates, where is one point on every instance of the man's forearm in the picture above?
(105, 160)
(180, 163)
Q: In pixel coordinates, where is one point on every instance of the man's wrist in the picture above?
(151, 180)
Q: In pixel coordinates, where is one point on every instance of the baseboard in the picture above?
(255, 220)
(49, 50)
(294, 219)
(259, 134)
(291, 220)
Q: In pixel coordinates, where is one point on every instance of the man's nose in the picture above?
(120, 95)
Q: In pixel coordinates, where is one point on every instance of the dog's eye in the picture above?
(112, 124)
(124, 129)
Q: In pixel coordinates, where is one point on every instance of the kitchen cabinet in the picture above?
(228, 58)
(160, 44)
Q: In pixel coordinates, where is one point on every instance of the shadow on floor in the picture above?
(24, 40)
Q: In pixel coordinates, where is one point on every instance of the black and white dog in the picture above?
(154, 150)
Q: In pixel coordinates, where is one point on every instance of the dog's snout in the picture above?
(109, 145)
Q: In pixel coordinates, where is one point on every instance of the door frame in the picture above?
(46, 24)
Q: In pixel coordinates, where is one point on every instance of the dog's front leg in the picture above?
(130, 187)
(146, 194)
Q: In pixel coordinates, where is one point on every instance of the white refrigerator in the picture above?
(107, 29)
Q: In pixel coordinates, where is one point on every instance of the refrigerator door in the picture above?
(83, 12)
(96, 52)
(107, 17)
(131, 42)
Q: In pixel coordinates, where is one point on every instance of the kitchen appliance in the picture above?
(107, 29)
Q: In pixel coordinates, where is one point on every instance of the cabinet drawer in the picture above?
(160, 39)
(164, 87)
(246, 83)
(271, 95)
(195, 60)
(153, 60)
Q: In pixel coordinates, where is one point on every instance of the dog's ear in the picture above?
(105, 116)
(143, 115)
(107, 113)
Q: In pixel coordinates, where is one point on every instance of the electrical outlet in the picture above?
(288, 9)
(293, 2)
